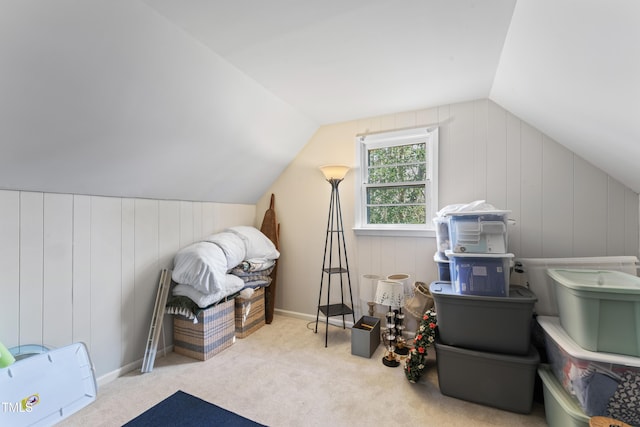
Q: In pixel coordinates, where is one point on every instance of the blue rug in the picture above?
(184, 410)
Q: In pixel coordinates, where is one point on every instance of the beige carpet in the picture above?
(282, 375)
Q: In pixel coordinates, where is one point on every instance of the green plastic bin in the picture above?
(561, 410)
(599, 309)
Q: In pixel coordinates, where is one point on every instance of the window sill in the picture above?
(394, 232)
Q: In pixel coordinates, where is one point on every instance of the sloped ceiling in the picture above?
(210, 100)
(572, 69)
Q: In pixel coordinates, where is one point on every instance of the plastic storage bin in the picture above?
(23, 351)
(560, 409)
(599, 309)
(499, 380)
(534, 275)
(496, 324)
(45, 388)
(444, 272)
(603, 383)
(442, 234)
(480, 274)
(478, 232)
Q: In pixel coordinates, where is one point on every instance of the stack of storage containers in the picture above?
(593, 347)
(483, 349)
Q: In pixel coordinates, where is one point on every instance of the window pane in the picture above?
(396, 195)
(401, 173)
(411, 153)
(396, 214)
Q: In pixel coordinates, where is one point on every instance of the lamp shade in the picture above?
(368, 286)
(404, 279)
(334, 171)
(390, 293)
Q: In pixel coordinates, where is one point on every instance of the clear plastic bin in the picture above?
(442, 234)
(560, 409)
(478, 232)
(603, 384)
(444, 271)
(480, 274)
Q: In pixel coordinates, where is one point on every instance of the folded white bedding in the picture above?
(258, 245)
(232, 245)
(229, 285)
(204, 265)
(201, 265)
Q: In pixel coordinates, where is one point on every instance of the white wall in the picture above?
(562, 205)
(86, 268)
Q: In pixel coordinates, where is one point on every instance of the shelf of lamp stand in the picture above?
(335, 270)
(335, 310)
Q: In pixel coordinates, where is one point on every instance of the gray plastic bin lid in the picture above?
(517, 294)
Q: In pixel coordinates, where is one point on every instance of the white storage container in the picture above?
(478, 232)
(604, 384)
(45, 388)
(480, 274)
(599, 309)
(534, 275)
(443, 243)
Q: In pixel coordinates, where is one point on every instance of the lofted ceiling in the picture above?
(339, 60)
(171, 98)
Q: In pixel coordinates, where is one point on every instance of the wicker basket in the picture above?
(250, 314)
(421, 301)
(214, 332)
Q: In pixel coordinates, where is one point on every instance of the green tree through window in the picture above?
(392, 203)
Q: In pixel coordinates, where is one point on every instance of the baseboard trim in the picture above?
(110, 376)
(335, 321)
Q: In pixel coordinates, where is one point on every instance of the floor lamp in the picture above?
(335, 253)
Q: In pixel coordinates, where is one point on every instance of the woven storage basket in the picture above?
(421, 301)
(250, 314)
(214, 332)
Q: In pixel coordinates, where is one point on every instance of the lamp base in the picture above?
(390, 362)
(371, 305)
(402, 351)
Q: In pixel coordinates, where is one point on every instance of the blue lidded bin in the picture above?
(480, 274)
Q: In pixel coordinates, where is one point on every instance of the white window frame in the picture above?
(428, 135)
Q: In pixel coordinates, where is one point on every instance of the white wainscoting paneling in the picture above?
(86, 268)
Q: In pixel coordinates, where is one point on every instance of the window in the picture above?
(397, 182)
